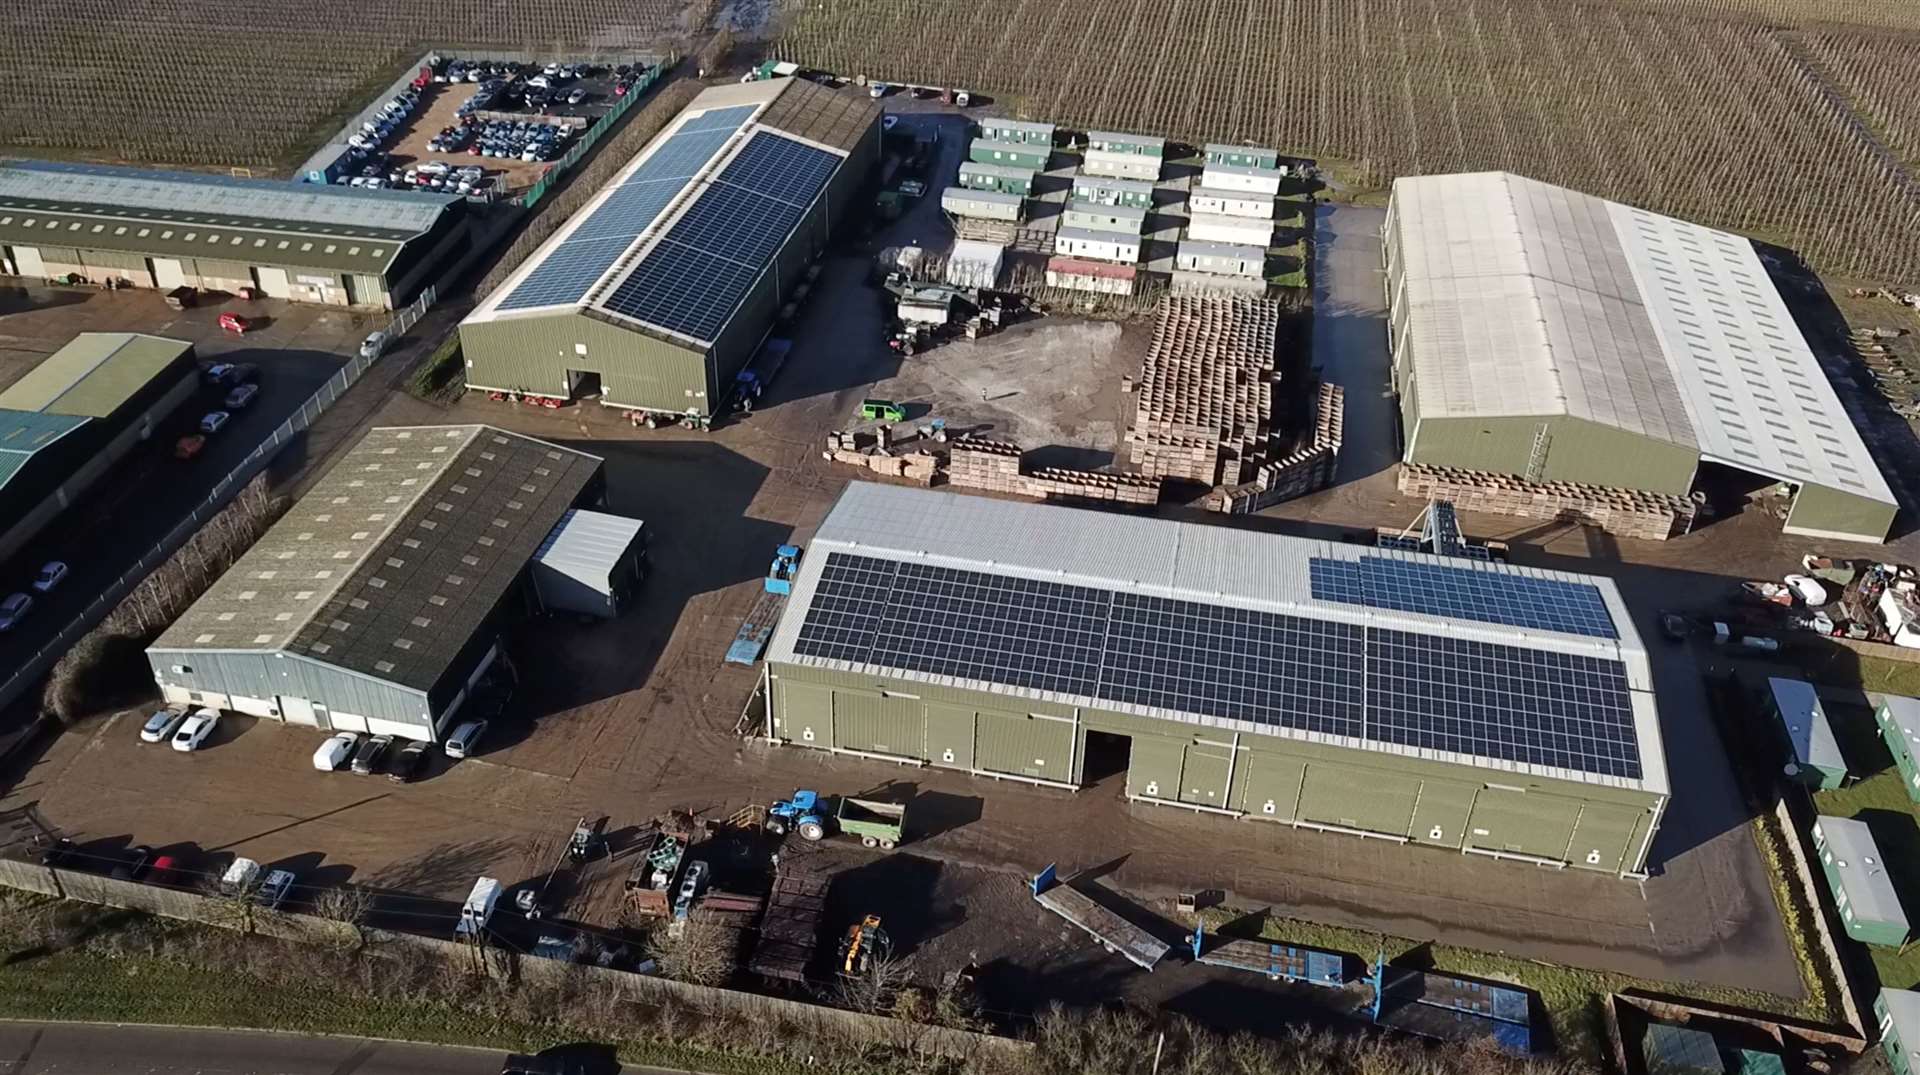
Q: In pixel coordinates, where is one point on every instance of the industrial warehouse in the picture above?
(340, 246)
(659, 291)
(374, 603)
(1431, 700)
(1557, 354)
(75, 415)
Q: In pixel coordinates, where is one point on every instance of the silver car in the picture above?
(13, 610)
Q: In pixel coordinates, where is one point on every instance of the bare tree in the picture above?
(876, 988)
(697, 950)
(348, 905)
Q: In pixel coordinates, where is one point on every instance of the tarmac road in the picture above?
(100, 1049)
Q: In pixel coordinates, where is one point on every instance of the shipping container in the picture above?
(1013, 154)
(983, 204)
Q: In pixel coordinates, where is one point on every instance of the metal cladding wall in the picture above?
(1312, 785)
(533, 354)
(1571, 449)
(228, 679)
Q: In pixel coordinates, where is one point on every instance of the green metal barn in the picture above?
(1464, 705)
(1553, 336)
(657, 293)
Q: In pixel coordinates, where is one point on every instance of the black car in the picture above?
(59, 853)
(134, 864)
(367, 759)
(405, 767)
(541, 1065)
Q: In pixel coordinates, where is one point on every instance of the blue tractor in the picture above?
(786, 564)
(805, 814)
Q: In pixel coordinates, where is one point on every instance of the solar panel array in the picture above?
(1575, 608)
(1385, 686)
(709, 259)
(571, 268)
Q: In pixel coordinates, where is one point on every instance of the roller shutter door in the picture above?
(168, 273)
(26, 259)
(273, 282)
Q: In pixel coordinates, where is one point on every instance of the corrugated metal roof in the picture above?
(393, 559)
(94, 374)
(23, 433)
(588, 545)
(1527, 299)
(200, 192)
(1863, 873)
(1806, 723)
(1197, 562)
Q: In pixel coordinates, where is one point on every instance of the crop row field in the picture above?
(260, 84)
(1728, 121)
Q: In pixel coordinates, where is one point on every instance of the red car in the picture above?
(233, 322)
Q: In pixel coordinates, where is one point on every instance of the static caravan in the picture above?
(1244, 156)
(1221, 259)
(1086, 214)
(1899, 721)
(1219, 228)
(1017, 130)
(1099, 191)
(1242, 203)
(1817, 761)
(1097, 245)
(1120, 165)
(1857, 875)
(1241, 177)
(1012, 154)
(1098, 276)
(1132, 145)
(984, 204)
(1897, 1013)
(997, 177)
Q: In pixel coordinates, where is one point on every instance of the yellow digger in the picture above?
(864, 943)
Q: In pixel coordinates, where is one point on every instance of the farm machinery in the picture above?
(815, 817)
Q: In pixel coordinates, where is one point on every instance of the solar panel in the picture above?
(1575, 608)
(682, 290)
(1394, 687)
(571, 269)
(1525, 705)
(780, 168)
(734, 224)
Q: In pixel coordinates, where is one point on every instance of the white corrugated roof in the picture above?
(587, 545)
(1186, 561)
(1525, 299)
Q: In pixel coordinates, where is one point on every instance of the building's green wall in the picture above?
(1576, 450)
(1422, 802)
(534, 353)
(1824, 512)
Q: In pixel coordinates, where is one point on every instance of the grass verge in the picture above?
(441, 373)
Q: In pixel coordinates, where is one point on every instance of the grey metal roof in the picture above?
(588, 545)
(1027, 126)
(1231, 195)
(1224, 147)
(1903, 1013)
(1240, 169)
(1527, 299)
(200, 192)
(1119, 138)
(998, 171)
(982, 197)
(1184, 561)
(1864, 880)
(1101, 182)
(1099, 235)
(395, 557)
(1021, 148)
(1131, 213)
(1202, 248)
(1904, 714)
(1808, 728)
(94, 375)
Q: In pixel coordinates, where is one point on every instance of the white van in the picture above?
(239, 877)
(478, 909)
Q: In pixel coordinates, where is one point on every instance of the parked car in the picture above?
(366, 760)
(577, 97)
(161, 872)
(518, 1064)
(52, 573)
(233, 322)
(189, 447)
(336, 751)
(376, 342)
(59, 852)
(275, 889)
(161, 725)
(465, 739)
(406, 763)
(134, 864)
(228, 375)
(241, 398)
(242, 874)
(195, 729)
(13, 610)
(214, 421)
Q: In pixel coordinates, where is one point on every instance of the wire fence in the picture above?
(30, 670)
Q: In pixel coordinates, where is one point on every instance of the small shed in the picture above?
(1680, 1050)
(1221, 259)
(1133, 145)
(975, 263)
(1220, 228)
(1857, 875)
(1082, 213)
(1099, 245)
(996, 177)
(985, 204)
(1017, 130)
(1899, 721)
(1817, 761)
(1241, 177)
(1205, 199)
(1079, 274)
(590, 563)
(1249, 156)
(1897, 1013)
(1104, 191)
(1013, 154)
(1120, 165)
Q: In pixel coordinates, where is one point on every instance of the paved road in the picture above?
(1350, 333)
(90, 1049)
